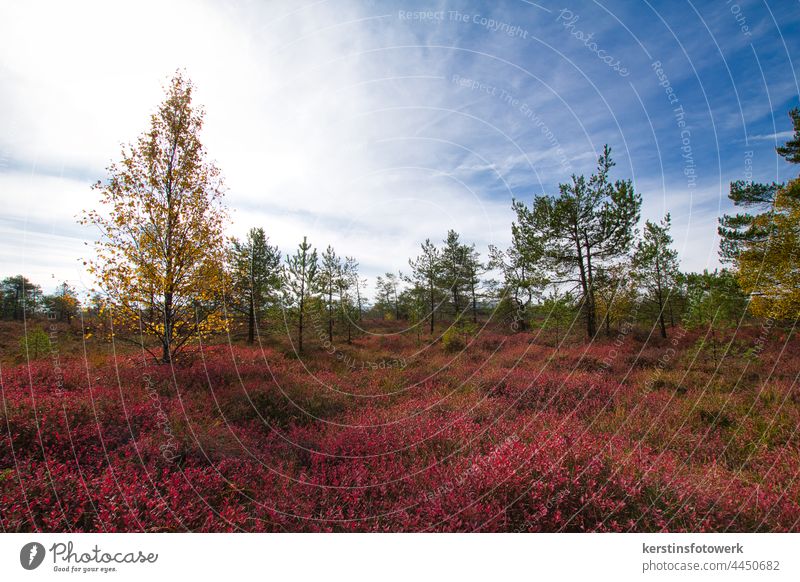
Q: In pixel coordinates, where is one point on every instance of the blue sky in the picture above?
(373, 125)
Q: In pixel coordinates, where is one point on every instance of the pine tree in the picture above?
(522, 266)
(387, 294)
(330, 283)
(473, 269)
(751, 230)
(350, 296)
(656, 266)
(300, 277)
(256, 277)
(790, 151)
(19, 297)
(590, 224)
(453, 270)
(426, 272)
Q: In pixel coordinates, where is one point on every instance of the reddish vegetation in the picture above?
(508, 435)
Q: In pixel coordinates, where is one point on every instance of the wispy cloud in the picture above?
(781, 135)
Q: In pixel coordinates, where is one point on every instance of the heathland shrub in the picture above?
(452, 340)
(458, 335)
(34, 344)
(504, 439)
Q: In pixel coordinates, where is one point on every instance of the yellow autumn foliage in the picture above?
(160, 258)
(769, 272)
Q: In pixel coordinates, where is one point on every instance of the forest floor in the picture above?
(632, 432)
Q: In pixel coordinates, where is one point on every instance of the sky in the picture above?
(373, 125)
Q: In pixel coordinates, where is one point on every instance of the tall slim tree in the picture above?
(426, 272)
(355, 285)
(160, 257)
(387, 294)
(414, 301)
(350, 302)
(591, 223)
(616, 293)
(453, 267)
(523, 268)
(256, 277)
(330, 283)
(656, 266)
(300, 278)
(473, 270)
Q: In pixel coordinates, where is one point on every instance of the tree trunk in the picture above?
(557, 335)
(251, 321)
(661, 323)
(166, 344)
(519, 323)
(714, 345)
(330, 314)
(433, 306)
(474, 306)
(592, 314)
(302, 308)
(300, 330)
(591, 321)
(660, 293)
(591, 326)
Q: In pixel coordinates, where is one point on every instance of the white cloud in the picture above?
(317, 130)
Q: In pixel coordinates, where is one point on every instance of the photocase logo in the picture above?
(31, 555)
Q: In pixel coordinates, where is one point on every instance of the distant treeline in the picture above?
(20, 299)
